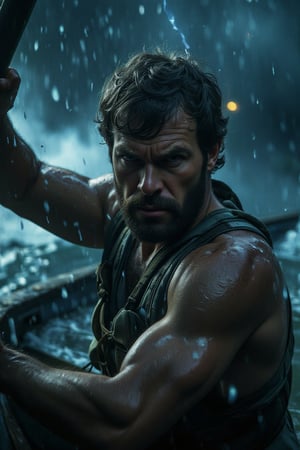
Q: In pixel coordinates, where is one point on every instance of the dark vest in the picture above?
(118, 320)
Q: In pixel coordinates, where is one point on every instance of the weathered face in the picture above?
(161, 182)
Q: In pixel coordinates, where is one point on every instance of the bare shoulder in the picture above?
(235, 259)
(232, 291)
(234, 283)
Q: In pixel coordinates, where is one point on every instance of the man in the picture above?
(193, 326)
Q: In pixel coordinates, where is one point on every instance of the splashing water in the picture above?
(171, 19)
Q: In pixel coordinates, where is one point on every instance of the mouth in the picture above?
(152, 212)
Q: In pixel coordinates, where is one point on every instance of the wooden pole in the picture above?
(14, 15)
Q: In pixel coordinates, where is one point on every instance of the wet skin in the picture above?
(226, 326)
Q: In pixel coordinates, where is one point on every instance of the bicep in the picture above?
(165, 373)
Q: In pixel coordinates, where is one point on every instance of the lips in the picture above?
(152, 212)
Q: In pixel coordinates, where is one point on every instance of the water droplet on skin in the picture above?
(232, 394)
(46, 207)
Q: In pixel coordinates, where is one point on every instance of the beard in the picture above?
(176, 219)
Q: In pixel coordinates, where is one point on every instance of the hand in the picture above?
(9, 86)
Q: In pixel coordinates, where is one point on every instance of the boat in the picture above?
(26, 308)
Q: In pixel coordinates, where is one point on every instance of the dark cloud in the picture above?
(253, 47)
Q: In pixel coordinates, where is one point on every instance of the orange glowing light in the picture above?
(232, 106)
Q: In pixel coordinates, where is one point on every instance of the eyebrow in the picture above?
(174, 149)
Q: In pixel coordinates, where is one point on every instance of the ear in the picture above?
(213, 156)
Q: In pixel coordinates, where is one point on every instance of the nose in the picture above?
(150, 180)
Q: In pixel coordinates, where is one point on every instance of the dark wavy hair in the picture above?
(146, 92)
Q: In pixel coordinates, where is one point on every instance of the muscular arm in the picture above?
(69, 205)
(172, 366)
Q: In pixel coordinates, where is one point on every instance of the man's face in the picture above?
(161, 182)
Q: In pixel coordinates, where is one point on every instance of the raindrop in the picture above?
(22, 224)
(283, 126)
(55, 94)
(22, 281)
(64, 293)
(273, 70)
(292, 146)
(47, 81)
(82, 45)
(36, 46)
(241, 62)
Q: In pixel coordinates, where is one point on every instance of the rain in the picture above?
(68, 49)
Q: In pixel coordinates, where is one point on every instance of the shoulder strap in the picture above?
(216, 223)
(115, 232)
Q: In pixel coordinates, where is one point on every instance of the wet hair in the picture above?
(147, 91)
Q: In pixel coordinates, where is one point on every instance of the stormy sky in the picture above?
(252, 46)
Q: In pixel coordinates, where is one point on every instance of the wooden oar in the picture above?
(14, 15)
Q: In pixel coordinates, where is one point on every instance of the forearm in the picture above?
(64, 401)
(19, 166)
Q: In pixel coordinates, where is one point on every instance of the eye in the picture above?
(174, 160)
(127, 159)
